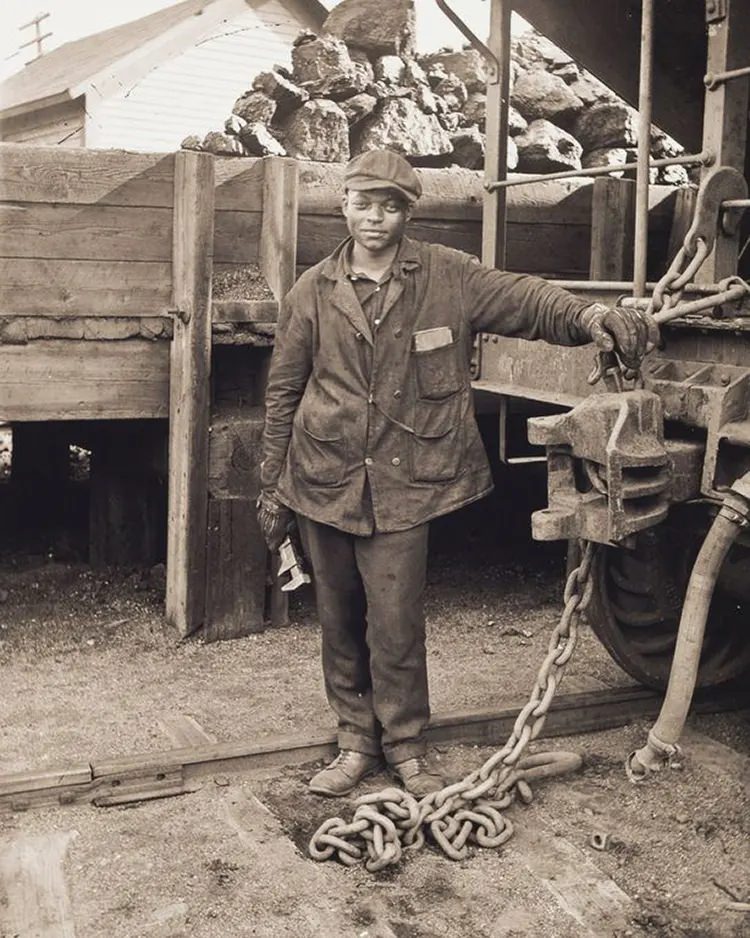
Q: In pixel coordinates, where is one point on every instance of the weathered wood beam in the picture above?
(66, 379)
(612, 221)
(190, 391)
(278, 234)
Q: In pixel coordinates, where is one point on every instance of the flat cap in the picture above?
(383, 169)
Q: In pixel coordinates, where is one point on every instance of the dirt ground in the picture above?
(90, 670)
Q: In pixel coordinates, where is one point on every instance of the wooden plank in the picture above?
(236, 570)
(278, 237)
(274, 860)
(35, 896)
(84, 288)
(456, 195)
(189, 391)
(612, 229)
(84, 380)
(593, 900)
(183, 730)
(244, 311)
(237, 237)
(532, 248)
(87, 232)
(80, 176)
(239, 184)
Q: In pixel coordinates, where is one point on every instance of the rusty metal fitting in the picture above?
(620, 439)
(652, 757)
(600, 840)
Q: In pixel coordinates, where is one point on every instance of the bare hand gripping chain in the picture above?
(390, 821)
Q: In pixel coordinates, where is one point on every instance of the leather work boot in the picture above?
(344, 774)
(419, 780)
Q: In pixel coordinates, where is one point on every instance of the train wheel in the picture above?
(639, 602)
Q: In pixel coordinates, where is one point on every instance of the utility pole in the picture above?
(38, 38)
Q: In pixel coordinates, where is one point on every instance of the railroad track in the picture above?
(159, 774)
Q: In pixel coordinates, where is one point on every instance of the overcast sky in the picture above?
(71, 19)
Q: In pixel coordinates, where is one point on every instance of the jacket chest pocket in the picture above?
(319, 455)
(438, 372)
(436, 446)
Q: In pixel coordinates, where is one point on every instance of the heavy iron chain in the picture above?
(665, 301)
(388, 822)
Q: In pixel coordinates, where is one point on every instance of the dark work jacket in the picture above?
(349, 403)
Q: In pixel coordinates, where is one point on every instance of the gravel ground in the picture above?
(89, 668)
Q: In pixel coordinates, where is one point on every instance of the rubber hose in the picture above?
(663, 738)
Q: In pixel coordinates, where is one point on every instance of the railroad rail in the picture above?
(160, 774)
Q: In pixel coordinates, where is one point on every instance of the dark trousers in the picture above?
(369, 593)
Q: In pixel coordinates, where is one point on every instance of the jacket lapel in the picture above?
(345, 300)
(392, 296)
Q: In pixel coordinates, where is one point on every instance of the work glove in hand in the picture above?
(274, 518)
(629, 332)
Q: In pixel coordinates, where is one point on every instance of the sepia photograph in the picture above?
(375, 469)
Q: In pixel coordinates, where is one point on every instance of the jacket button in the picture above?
(396, 461)
(398, 333)
(358, 336)
(397, 393)
(368, 460)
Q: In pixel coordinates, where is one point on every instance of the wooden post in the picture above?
(725, 119)
(612, 226)
(237, 555)
(190, 366)
(278, 234)
(278, 260)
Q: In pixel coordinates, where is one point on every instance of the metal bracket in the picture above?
(182, 314)
(493, 75)
(716, 10)
(720, 184)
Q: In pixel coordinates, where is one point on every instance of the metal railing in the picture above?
(705, 158)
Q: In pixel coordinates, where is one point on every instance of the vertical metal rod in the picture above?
(644, 148)
(496, 155)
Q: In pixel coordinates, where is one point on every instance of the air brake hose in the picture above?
(733, 515)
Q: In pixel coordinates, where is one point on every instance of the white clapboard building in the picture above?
(147, 84)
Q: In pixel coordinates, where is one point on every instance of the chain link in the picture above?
(388, 822)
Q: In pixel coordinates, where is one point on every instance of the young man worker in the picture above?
(370, 433)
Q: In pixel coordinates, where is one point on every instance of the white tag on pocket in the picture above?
(428, 339)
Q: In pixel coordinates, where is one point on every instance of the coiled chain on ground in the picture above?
(391, 821)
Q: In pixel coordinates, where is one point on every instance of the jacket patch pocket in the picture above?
(438, 372)
(319, 457)
(436, 447)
